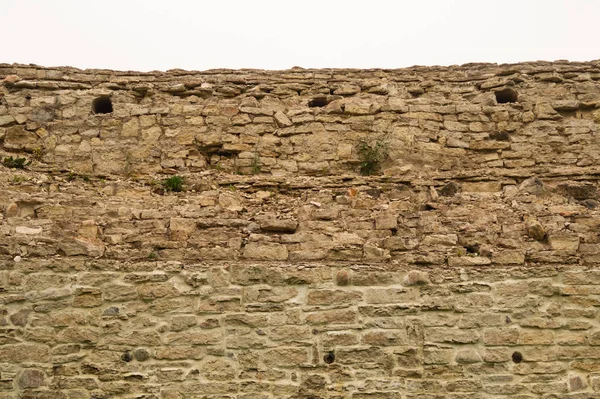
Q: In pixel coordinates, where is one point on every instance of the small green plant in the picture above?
(86, 178)
(173, 183)
(38, 153)
(372, 153)
(18, 179)
(256, 164)
(71, 176)
(153, 256)
(15, 163)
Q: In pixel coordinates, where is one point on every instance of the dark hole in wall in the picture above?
(329, 357)
(517, 357)
(318, 102)
(102, 105)
(506, 96)
(500, 136)
(127, 356)
(472, 249)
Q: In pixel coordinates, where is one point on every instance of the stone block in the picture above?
(265, 251)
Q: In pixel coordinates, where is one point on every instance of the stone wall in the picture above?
(466, 265)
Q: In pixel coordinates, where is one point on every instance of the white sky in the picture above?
(278, 34)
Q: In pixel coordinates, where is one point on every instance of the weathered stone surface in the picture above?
(281, 225)
(28, 230)
(415, 277)
(468, 356)
(266, 251)
(21, 317)
(17, 138)
(467, 266)
(32, 378)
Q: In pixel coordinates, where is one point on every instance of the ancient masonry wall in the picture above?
(466, 265)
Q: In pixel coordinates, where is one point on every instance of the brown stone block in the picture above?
(496, 355)
(450, 335)
(509, 258)
(500, 336)
(390, 295)
(476, 320)
(385, 338)
(78, 334)
(87, 297)
(539, 353)
(342, 316)
(150, 291)
(578, 352)
(17, 138)
(32, 378)
(333, 297)
(539, 368)
(135, 338)
(176, 352)
(437, 356)
(19, 353)
(536, 337)
(265, 251)
(359, 355)
(581, 277)
(286, 357)
(340, 338)
(119, 293)
(467, 356)
(289, 333)
(571, 338)
(455, 261)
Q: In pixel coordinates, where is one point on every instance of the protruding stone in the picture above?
(535, 230)
(111, 311)
(278, 225)
(28, 230)
(12, 210)
(11, 79)
(141, 354)
(533, 185)
(342, 278)
(282, 120)
(415, 277)
(468, 356)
